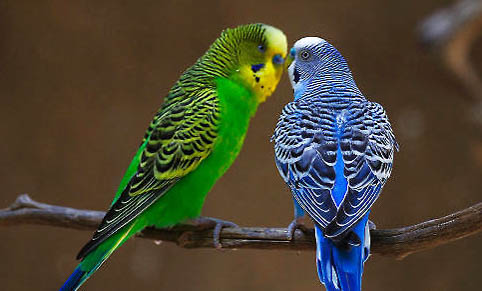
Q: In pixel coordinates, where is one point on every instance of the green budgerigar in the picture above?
(192, 140)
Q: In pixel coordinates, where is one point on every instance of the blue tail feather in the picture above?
(74, 281)
(341, 268)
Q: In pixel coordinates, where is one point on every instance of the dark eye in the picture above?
(305, 55)
(262, 48)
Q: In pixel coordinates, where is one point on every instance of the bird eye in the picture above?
(262, 48)
(305, 55)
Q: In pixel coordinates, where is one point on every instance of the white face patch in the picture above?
(291, 70)
(308, 41)
(300, 44)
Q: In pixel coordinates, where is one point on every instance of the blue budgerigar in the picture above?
(334, 149)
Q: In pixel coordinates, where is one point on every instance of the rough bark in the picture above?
(397, 242)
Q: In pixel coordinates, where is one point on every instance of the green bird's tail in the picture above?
(97, 257)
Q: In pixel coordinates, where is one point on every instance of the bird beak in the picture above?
(289, 60)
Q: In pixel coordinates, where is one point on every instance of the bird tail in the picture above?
(340, 267)
(96, 258)
(74, 281)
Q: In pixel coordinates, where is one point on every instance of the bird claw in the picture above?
(216, 224)
(294, 225)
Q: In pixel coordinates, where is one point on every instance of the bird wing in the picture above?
(368, 146)
(181, 135)
(306, 145)
(305, 156)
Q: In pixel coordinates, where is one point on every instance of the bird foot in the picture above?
(216, 224)
(297, 223)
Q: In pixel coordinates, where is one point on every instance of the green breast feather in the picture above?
(194, 125)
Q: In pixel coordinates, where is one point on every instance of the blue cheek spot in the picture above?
(257, 67)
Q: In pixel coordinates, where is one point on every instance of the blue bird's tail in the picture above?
(341, 268)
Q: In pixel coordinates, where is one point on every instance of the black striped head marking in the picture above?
(317, 62)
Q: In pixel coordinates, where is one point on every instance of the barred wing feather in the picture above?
(180, 137)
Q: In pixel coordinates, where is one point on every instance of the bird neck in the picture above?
(330, 85)
(236, 99)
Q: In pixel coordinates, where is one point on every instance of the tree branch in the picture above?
(398, 242)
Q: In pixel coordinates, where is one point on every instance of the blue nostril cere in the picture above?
(257, 67)
(292, 52)
(278, 59)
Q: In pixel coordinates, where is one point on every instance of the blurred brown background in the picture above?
(80, 81)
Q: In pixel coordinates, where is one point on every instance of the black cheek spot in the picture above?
(257, 79)
(262, 87)
(296, 76)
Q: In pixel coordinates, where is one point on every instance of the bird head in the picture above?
(259, 55)
(316, 63)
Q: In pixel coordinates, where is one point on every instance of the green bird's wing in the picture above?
(181, 135)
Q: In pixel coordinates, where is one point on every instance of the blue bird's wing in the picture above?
(308, 137)
(305, 156)
(367, 146)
